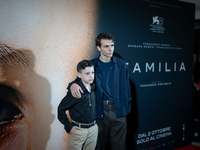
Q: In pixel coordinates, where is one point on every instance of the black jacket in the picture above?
(121, 92)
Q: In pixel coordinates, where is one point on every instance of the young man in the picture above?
(82, 128)
(113, 94)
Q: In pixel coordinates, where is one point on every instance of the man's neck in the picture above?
(105, 59)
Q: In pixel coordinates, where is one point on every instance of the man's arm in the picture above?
(75, 81)
(75, 89)
(129, 89)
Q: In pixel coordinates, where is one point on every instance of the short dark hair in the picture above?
(105, 36)
(83, 64)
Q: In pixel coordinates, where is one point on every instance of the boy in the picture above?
(83, 129)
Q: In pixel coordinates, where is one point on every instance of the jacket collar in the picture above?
(80, 83)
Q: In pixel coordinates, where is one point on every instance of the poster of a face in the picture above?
(41, 43)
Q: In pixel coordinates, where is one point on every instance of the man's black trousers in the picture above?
(111, 129)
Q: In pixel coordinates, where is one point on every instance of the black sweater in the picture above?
(79, 109)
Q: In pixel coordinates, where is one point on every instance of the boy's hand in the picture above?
(75, 90)
(73, 130)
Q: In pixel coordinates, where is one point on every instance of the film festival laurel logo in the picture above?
(157, 24)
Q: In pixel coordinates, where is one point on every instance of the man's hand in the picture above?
(75, 90)
(73, 130)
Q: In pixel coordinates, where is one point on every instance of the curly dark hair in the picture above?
(105, 36)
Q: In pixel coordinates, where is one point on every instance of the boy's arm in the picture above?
(75, 89)
(67, 102)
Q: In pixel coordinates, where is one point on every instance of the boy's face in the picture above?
(87, 75)
(107, 48)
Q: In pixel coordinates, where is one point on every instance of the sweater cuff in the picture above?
(68, 127)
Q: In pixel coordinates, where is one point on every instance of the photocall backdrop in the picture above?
(41, 43)
(155, 38)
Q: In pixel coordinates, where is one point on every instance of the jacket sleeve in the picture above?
(67, 102)
(75, 81)
(129, 89)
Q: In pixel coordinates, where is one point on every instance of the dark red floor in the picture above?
(189, 147)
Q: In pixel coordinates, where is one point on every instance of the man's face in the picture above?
(107, 48)
(87, 75)
(39, 51)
